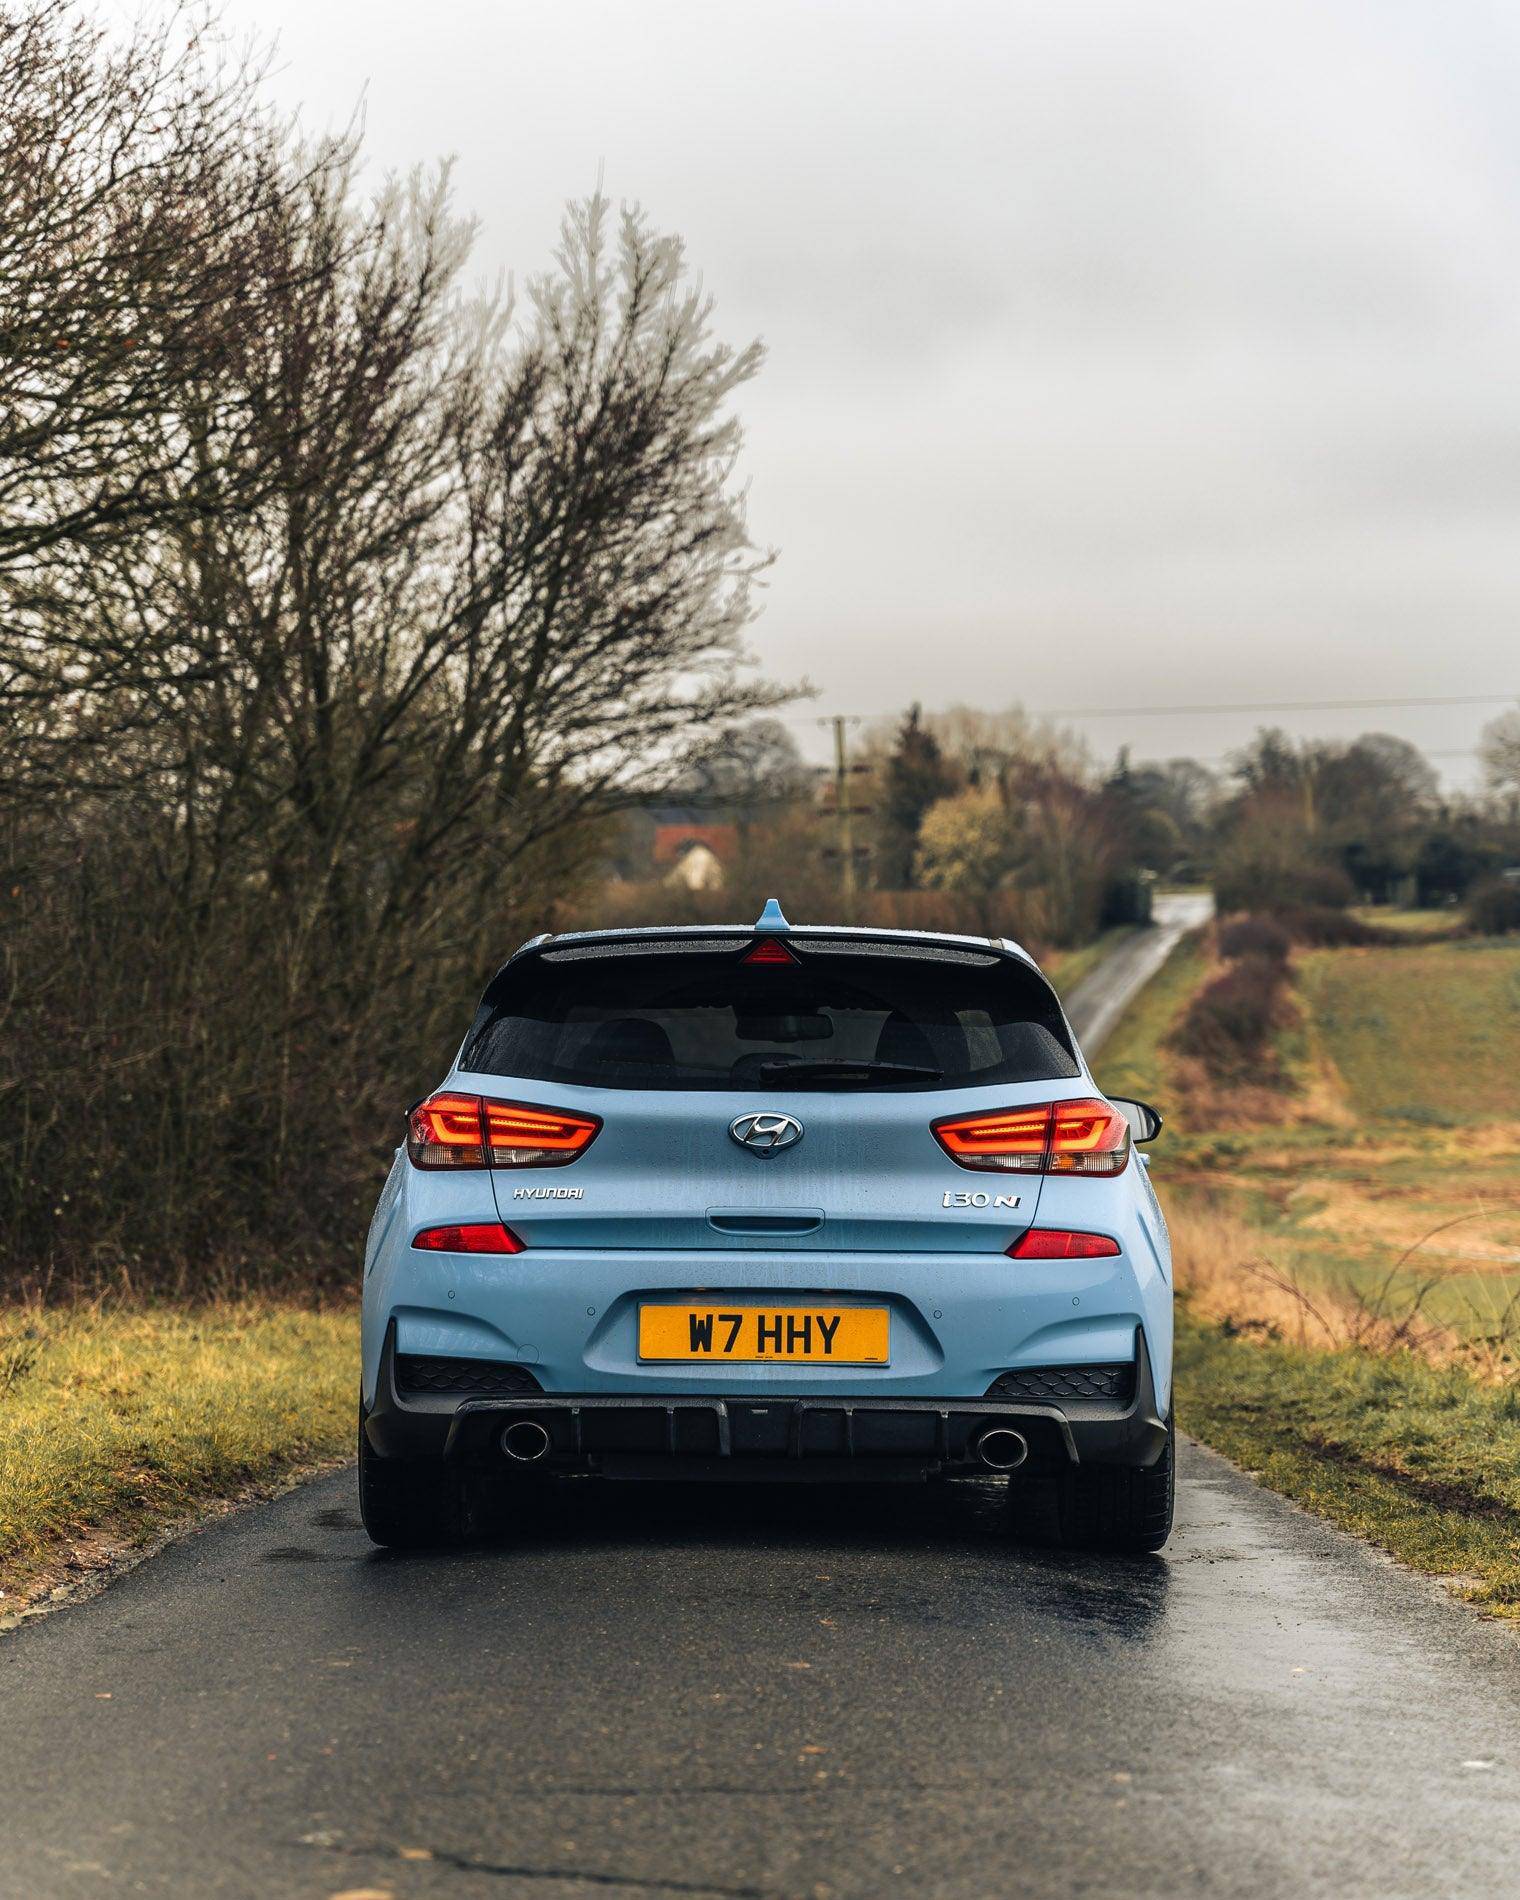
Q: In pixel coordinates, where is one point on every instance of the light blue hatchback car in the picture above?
(770, 1203)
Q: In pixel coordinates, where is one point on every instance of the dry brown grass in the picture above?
(1255, 1284)
(1481, 1230)
(1205, 1102)
(1226, 1270)
(119, 1420)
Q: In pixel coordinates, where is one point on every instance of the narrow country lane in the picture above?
(1101, 998)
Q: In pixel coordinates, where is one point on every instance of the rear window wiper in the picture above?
(780, 1069)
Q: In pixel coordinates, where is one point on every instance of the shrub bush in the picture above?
(1493, 907)
(1240, 937)
(1250, 881)
(1229, 1024)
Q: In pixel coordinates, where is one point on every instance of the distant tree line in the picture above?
(340, 605)
(1018, 816)
(1000, 822)
(1013, 810)
(1327, 824)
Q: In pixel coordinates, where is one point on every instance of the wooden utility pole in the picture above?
(842, 811)
(845, 811)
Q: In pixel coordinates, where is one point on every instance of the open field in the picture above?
(1423, 1036)
(115, 1422)
(1417, 923)
(1348, 1247)
(1381, 1187)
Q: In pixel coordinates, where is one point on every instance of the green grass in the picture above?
(1418, 923)
(117, 1422)
(1423, 1159)
(1424, 1035)
(1421, 1460)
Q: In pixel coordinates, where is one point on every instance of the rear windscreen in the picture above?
(852, 1019)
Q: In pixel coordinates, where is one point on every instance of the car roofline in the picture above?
(640, 933)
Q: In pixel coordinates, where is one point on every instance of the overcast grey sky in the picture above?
(1127, 352)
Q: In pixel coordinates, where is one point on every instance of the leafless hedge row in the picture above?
(338, 605)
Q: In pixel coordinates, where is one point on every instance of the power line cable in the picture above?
(1267, 705)
(1237, 706)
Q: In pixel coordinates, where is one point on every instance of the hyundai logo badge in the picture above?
(765, 1134)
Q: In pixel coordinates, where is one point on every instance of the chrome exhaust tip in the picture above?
(1002, 1449)
(525, 1441)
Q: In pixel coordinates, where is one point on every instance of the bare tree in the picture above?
(142, 192)
(137, 179)
(338, 609)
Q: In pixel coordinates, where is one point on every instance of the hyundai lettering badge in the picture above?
(765, 1134)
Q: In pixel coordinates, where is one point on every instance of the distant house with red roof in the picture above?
(673, 838)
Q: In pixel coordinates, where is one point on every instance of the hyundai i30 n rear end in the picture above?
(776, 1204)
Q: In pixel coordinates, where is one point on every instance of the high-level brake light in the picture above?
(469, 1237)
(475, 1131)
(768, 950)
(1088, 1136)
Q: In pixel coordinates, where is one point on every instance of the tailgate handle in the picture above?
(758, 1222)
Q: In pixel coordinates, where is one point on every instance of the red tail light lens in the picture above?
(1014, 1139)
(518, 1137)
(1055, 1243)
(1088, 1136)
(474, 1131)
(475, 1237)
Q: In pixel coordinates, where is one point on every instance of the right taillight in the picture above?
(1060, 1243)
(476, 1131)
(1087, 1136)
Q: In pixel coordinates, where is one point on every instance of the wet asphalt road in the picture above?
(703, 1691)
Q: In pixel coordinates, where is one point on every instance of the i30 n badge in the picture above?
(960, 1273)
(766, 1134)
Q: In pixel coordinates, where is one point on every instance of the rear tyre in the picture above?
(1100, 1507)
(411, 1503)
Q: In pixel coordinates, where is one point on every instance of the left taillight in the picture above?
(476, 1131)
(468, 1237)
(1085, 1136)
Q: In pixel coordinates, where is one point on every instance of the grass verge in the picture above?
(1422, 1460)
(116, 1423)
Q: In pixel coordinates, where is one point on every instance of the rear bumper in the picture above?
(735, 1435)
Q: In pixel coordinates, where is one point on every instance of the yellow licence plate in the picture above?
(825, 1335)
